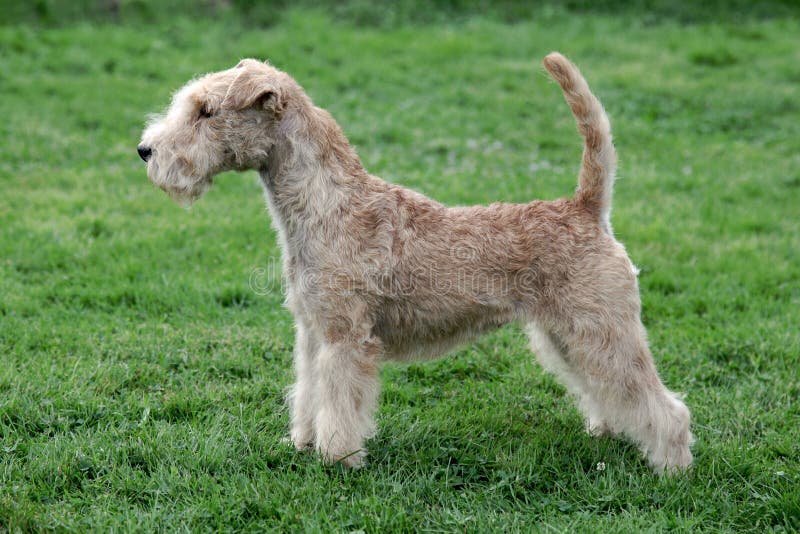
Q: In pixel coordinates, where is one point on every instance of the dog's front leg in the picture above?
(302, 395)
(347, 395)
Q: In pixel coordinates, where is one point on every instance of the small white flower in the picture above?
(601, 466)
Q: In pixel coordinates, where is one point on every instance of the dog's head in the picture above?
(223, 121)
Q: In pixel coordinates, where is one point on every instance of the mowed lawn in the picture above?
(145, 352)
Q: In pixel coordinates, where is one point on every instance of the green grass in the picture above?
(142, 378)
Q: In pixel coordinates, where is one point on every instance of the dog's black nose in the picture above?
(144, 152)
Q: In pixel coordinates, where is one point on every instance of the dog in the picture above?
(375, 271)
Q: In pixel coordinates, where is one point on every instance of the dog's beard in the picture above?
(185, 197)
(182, 188)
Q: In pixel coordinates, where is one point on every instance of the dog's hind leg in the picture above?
(620, 378)
(550, 352)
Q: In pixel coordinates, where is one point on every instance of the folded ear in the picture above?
(252, 89)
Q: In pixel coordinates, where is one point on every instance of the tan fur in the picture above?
(376, 271)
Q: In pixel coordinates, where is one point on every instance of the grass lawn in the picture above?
(144, 354)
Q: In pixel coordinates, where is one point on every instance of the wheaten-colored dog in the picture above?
(377, 271)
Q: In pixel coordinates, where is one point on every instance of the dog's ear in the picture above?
(252, 88)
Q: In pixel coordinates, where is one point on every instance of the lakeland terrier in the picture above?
(375, 271)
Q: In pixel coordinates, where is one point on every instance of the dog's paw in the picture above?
(298, 442)
(674, 461)
(355, 460)
(598, 428)
(352, 459)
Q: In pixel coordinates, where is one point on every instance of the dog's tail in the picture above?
(596, 179)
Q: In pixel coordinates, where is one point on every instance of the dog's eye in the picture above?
(205, 113)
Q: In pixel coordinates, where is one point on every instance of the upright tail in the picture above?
(596, 179)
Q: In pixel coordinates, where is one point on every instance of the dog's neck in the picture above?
(310, 171)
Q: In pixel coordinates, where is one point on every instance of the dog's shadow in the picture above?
(474, 451)
(469, 434)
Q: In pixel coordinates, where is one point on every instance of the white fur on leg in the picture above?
(667, 439)
(301, 396)
(347, 395)
(659, 424)
(654, 418)
(618, 391)
(552, 360)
